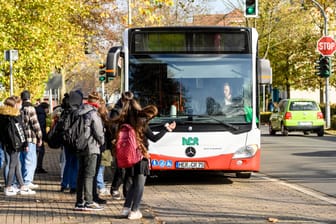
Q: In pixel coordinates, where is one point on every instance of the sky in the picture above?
(224, 6)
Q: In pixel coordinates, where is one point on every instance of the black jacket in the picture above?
(6, 113)
(42, 118)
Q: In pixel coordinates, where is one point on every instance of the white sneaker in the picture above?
(24, 190)
(104, 192)
(116, 195)
(135, 215)
(125, 211)
(92, 207)
(10, 191)
(32, 186)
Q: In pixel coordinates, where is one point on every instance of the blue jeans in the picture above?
(2, 156)
(6, 159)
(70, 171)
(28, 163)
(100, 177)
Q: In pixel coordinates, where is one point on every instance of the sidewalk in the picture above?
(51, 206)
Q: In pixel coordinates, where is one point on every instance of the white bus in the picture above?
(183, 70)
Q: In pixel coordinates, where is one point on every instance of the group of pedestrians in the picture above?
(83, 172)
(104, 126)
(18, 117)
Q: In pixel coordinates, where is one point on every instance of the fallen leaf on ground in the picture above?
(273, 220)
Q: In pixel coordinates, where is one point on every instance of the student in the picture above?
(106, 156)
(42, 111)
(118, 177)
(68, 159)
(132, 114)
(34, 138)
(97, 102)
(87, 159)
(11, 111)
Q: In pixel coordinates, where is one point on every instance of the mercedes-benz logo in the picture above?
(190, 152)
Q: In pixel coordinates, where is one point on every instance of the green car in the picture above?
(297, 115)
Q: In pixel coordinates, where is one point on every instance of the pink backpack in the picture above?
(127, 150)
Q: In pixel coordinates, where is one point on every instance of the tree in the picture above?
(47, 34)
(288, 35)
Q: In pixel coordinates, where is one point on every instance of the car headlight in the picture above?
(245, 152)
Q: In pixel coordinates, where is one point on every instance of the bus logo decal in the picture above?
(190, 141)
(190, 152)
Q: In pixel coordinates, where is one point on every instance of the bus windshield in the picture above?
(193, 86)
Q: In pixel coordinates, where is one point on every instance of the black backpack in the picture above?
(14, 134)
(55, 134)
(76, 126)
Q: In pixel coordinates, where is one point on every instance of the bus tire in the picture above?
(243, 175)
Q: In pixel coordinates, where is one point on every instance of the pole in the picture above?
(327, 103)
(50, 101)
(264, 97)
(129, 13)
(11, 73)
(103, 89)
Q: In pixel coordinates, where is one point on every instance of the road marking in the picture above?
(296, 187)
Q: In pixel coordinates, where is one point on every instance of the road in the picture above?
(305, 160)
(296, 185)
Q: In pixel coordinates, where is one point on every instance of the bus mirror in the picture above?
(264, 71)
(113, 63)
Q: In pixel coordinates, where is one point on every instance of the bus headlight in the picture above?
(245, 152)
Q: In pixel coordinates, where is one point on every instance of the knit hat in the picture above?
(25, 95)
(93, 97)
(75, 99)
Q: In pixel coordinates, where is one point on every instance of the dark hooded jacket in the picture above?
(42, 118)
(95, 133)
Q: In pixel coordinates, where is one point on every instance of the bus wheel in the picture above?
(243, 175)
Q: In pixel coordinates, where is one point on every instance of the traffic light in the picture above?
(102, 73)
(325, 67)
(251, 8)
(317, 66)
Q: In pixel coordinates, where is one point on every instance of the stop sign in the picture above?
(326, 46)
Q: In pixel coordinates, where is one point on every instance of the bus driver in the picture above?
(227, 95)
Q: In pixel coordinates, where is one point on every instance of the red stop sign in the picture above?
(326, 46)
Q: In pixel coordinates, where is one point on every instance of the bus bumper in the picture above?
(219, 163)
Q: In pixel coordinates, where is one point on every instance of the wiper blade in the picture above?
(233, 127)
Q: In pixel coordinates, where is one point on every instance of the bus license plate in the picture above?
(189, 165)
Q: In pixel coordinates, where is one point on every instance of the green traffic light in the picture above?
(250, 10)
(102, 78)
